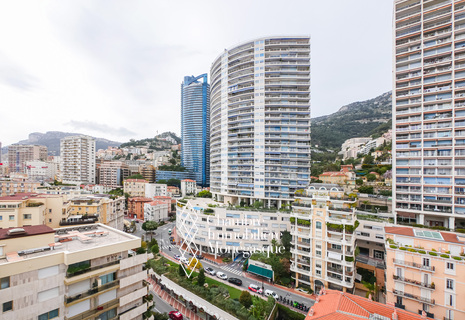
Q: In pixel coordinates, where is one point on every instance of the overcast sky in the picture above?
(113, 68)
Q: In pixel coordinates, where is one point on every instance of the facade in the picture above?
(260, 121)
(71, 273)
(332, 304)
(227, 227)
(156, 210)
(429, 113)
(426, 271)
(323, 222)
(333, 177)
(19, 154)
(112, 173)
(78, 160)
(188, 186)
(149, 172)
(179, 175)
(136, 207)
(173, 191)
(155, 190)
(9, 187)
(195, 127)
(107, 209)
(135, 187)
(351, 147)
(41, 170)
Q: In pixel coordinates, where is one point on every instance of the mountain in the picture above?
(51, 139)
(358, 119)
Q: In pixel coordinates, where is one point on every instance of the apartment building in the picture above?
(78, 160)
(9, 187)
(149, 172)
(260, 121)
(195, 127)
(188, 187)
(155, 190)
(73, 273)
(323, 222)
(136, 207)
(429, 112)
(156, 210)
(108, 209)
(426, 271)
(112, 173)
(67, 192)
(41, 170)
(351, 147)
(135, 187)
(19, 154)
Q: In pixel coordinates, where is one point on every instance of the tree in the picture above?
(155, 249)
(366, 189)
(371, 177)
(174, 182)
(201, 278)
(149, 226)
(173, 161)
(286, 239)
(136, 176)
(258, 204)
(204, 194)
(359, 182)
(368, 159)
(245, 299)
(160, 316)
(181, 271)
(195, 264)
(163, 181)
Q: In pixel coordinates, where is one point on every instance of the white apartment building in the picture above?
(429, 112)
(41, 170)
(78, 160)
(83, 272)
(351, 147)
(156, 210)
(19, 154)
(155, 190)
(260, 121)
(188, 187)
(323, 224)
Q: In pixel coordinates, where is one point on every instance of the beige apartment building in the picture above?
(84, 272)
(426, 271)
(78, 160)
(9, 187)
(27, 209)
(322, 228)
(19, 154)
(135, 187)
(112, 173)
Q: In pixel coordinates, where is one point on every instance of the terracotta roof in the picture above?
(333, 173)
(19, 196)
(188, 180)
(337, 305)
(135, 180)
(450, 237)
(404, 231)
(140, 199)
(30, 231)
(162, 197)
(156, 203)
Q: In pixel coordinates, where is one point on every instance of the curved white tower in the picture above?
(260, 121)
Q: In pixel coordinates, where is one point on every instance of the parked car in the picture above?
(169, 231)
(237, 282)
(255, 288)
(221, 275)
(177, 257)
(198, 256)
(210, 271)
(271, 293)
(184, 260)
(175, 315)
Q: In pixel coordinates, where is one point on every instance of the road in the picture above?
(232, 270)
(161, 306)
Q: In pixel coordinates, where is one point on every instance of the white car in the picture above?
(184, 260)
(210, 271)
(271, 293)
(221, 275)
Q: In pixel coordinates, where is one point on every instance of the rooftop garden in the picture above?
(420, 250)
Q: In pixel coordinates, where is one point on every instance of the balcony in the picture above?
(414, 265)
(414, 282)
(70, 274)
(93, 313)
(91, 292)
(413, 297)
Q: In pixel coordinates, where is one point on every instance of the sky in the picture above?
(113, 69)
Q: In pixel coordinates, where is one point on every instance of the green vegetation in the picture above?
(201, 278)
(175, 167)
(136, 176)
(204, 194)
(34, 204)
(245, 299)
(286, 314)
(279, 262)
(434, 254)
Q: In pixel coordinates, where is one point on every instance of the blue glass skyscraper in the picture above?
(195, 127)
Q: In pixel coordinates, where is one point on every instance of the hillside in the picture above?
(51, 139)
(160, 142)
(358, 119)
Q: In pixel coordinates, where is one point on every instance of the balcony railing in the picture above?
(91, 291)
(95, 311)
(414, 282)
(415, 265)
(76, 273)
(413, 297)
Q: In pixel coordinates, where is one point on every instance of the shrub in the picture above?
(422, 251)
(445, 255)
(403, 248)
(457, 258)
(434, 254)
(349, 259)
(393, 246)
(411, 250)
(245, 299)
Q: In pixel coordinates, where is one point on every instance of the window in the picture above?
(49, 315)
(318, 253)
(107, 278)
(110, 314)
(399, 300)
(12, 218)
(450, 300)
(1, 218)
(450, 284)
(450, 266)
(425, 262)
(5, 283)
(318, 225)
(318, 272)
(27, 216)
(7, 306)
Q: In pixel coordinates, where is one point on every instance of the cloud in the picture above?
(14, 76)
(99, 127)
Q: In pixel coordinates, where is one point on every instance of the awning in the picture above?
(260, 271)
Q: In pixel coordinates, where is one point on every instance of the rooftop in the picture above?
(135, 180)
(28, 231)
(345, 306)
(426, 234)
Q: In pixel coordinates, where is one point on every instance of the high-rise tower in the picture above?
(195, 127)
(429, 112)
(78, 159)
(260, 121)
